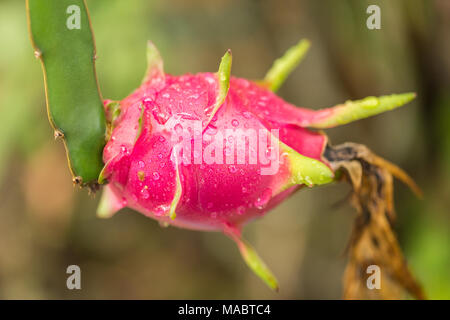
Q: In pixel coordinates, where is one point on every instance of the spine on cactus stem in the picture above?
(62, 38)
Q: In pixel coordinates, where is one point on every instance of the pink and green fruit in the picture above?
(213, 152)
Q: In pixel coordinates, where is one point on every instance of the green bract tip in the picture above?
(155, 65)
(283, 66)
(360, 109)
(223, 75)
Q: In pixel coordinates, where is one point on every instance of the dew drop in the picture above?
(178, 128)
(241, 210)
(155, 175)
(211, 130)
(144, 193)
(163, 224)
(247, 115)
(160, 210)
(228, 151)
(234, 122)
(261, 104)
(263, 200)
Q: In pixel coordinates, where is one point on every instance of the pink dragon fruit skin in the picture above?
(142, 175)
(146, 172)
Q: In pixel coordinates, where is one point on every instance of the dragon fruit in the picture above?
(213, 152)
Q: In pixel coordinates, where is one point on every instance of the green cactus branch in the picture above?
(62, 38)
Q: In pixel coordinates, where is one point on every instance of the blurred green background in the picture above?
(46, 224)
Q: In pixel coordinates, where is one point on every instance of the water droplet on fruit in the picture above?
(163, 224)
(247, 114)
(263, 200)
(144, 193)
(161, 210)
(178, 128)
(211, 130)
(155, 175)
(308, 181)
(228, 151)
(234, 122)
(232, 169)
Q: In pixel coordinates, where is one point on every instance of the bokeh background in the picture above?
(46, 224)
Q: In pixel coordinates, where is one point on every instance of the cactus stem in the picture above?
(73, 98)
